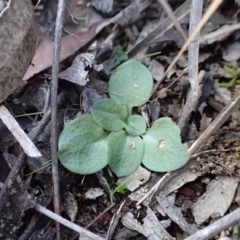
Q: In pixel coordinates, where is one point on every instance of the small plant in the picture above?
(112, 136)
(235, 73)
(120, 188)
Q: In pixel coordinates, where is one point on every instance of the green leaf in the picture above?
(121, 188)
(124, 153)
(136, 125)
(226, 84)
(163, 150)
(82, 146)
(230, 70)
(131, 84)
(109, 114)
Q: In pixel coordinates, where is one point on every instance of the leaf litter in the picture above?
(183, 198)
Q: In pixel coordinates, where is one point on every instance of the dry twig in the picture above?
(100, 215)
(193, 48)
(82, 231)
(195, 81)
(54, 90)
(170, 13)
(225, 222)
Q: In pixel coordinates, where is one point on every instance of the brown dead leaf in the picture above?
(18, 42)
(70, 44)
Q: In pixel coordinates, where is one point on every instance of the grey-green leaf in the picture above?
(136, 125)
(109, 114)
(131, 84)
(163, 150)
(124, 153)
(82, 146)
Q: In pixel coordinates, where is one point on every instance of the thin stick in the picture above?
(54, 90)
(170, 14)
(194, 80)
(211, 9)
(208, 232)
(100, 215)
(191, 104)
(82, 231)
(153, 189)
(193, 48)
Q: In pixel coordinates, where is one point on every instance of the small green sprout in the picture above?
(235, 73)
(120, 188)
